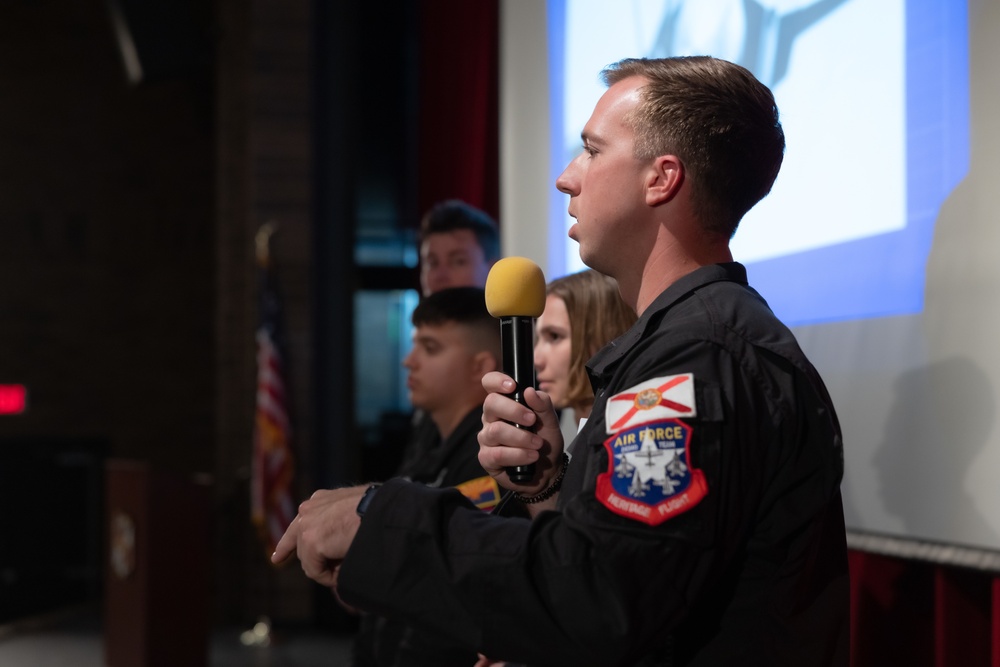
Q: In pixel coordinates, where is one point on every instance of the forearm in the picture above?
(542, 591)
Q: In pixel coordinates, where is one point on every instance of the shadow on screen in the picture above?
(939, 421)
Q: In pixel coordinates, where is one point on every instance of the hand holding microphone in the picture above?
(515, 294)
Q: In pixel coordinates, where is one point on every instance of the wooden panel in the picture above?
(157, 570)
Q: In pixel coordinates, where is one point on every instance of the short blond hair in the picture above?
(719, 120)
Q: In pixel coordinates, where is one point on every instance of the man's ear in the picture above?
(484, 362)
(664, 179)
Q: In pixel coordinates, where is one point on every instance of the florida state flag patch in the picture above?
(659, 398)
(650, 477)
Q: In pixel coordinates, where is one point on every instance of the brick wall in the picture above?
(127, 215)
(106, 248)
(265, 162)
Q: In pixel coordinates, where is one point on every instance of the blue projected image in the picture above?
(875, 105)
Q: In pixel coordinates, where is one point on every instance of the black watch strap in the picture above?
(366, 499)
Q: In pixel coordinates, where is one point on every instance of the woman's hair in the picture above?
(597, 315)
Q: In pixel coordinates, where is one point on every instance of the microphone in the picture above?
(515, 294)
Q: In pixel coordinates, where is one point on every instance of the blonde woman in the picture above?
(583, 313)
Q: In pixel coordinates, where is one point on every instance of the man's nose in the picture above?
(567, 183)
(441, 275)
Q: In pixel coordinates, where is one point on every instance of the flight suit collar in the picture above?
(608, 357)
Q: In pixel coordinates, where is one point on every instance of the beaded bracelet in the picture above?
(551, 490)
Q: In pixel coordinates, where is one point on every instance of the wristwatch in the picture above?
(366, 499)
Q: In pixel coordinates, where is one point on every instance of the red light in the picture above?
(13, 399)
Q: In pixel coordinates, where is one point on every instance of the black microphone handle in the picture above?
(517, 347)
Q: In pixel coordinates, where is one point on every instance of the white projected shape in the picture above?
(843, 109)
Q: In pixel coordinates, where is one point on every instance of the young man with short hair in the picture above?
(455, 343)
(458, 245)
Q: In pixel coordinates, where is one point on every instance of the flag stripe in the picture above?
(273, 507)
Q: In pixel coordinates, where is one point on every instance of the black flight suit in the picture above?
(753, 574)
(385, 642)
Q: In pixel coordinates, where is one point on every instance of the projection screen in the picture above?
(876, 244)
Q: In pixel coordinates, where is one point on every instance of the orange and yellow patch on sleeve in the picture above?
(484, 492)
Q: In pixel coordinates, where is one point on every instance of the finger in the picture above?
(502, 434)
(325, 577)
(539, 402)
(495, 460)
(541, 405)
(318, 571)
(548, 426)
(498, 407)
(286, 545)
(496, 382)
(315, 565)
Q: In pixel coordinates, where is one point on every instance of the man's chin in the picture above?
(586, 258)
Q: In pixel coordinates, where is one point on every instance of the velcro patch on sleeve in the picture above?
(659, 398)
(650, 477)
(484, 492)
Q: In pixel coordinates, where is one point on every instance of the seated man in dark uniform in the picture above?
(455, 343)
(459, 244)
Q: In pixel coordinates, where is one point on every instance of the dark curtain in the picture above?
(459, 103)
(907, 612)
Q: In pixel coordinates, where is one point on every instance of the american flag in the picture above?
(273, 462)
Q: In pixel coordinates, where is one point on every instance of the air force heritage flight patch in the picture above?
(649, 475)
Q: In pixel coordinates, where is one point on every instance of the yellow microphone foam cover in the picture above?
(515, 287)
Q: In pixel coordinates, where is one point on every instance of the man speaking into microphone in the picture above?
(699, 521)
